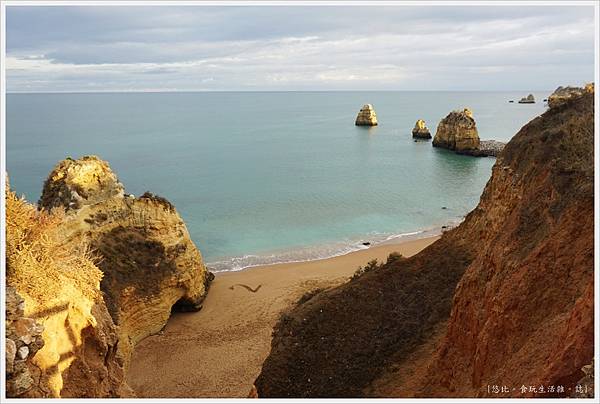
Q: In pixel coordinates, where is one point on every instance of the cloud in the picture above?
(297, 48)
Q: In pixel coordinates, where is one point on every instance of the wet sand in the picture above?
(218, 351)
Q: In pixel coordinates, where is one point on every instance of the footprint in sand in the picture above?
(248, 288)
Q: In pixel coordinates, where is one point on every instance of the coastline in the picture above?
(219, 351)
(326, 250)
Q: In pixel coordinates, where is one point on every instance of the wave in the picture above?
(321, 251)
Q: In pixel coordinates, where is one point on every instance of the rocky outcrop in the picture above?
(149, 263)
(457, 131)
(420, 131)
(563, 94)
(366, 116)
(530, 99)
(56, 294)
(487, 148)
(506, 298)
(23, 340)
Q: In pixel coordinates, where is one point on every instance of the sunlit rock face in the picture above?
(148, 261)
(457, 131)
(563, 94)
(421, 131)
(74, 183)
(64, 342)
(366, 116)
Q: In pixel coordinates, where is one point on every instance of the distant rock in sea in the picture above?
(366, 116)
(487, 148)
(457, 131)
(563, 94)
(527, 100)
(420, 131)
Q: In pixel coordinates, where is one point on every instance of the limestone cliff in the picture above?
(457, 131)
(506, 298)
(421, 131)
(563, 94)
(366, 116)
(65, 340)
(148, 261)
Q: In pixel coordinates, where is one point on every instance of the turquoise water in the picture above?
(265, 177)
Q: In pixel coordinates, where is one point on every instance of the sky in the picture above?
(297, 48)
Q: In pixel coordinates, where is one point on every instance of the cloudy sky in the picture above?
(195, 48)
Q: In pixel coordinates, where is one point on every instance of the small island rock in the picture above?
(457, 131)
(421, 131)
(366, 116)
(527, 100)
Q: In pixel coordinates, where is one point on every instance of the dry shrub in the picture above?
(38, 260)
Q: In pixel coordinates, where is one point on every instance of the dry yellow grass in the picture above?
(38, 259)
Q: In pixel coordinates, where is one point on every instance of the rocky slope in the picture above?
(366, 116)
(457, 131)
(65, 339)
(148, 260)
(563, 94)
(506, 298)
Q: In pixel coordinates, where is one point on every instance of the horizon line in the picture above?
(259, 91)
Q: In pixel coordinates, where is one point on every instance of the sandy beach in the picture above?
(218, 351)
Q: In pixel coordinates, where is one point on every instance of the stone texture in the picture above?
(74, 183)
(149, 262)
(457, 131)
(420, 131)
(23, 337)
(487, 148)
(563, 94)
(530, 99)
(366, 116)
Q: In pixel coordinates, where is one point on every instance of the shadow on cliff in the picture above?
(509, 282)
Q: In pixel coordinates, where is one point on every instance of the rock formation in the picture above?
(23, 340)
(148, 261)
(506, 298)
(420, 131)
(487, 148)
(457, 131)
(366, 116)
(54, 289)
(98, 271)
(530, 99)
(563, 94)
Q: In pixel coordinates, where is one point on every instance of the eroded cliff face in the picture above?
(504, 299)
(147, 258)
(65, 339)
(366, 116)
(457, 131)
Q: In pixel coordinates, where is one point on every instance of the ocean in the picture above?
(268, 177)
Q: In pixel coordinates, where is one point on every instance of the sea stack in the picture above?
(457, 131)
(563, 94)
(420, 131)
(527, 100)
(366, 116)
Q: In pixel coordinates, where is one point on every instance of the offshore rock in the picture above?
(457, 131)
(420, 131)
(366, 116)
(530, 99)
(149, 263)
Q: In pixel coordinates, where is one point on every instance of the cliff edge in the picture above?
(506, 298)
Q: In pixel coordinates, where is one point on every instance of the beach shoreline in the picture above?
(219, 351)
